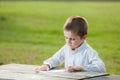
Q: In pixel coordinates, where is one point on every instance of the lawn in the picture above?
(31, 32)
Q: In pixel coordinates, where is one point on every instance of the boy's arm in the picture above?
(56, 59)
(90, 67)
(96, 66)
(95, 63)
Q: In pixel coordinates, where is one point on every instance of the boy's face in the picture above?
(72, 39)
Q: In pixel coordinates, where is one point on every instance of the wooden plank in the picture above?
(27, 69)
(26, 72)
(23, 72)
(74, 75)
(110, 77)
(23, 76)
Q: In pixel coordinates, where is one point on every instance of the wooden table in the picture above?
(26, 72)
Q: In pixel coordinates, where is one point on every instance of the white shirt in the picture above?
(82, 56)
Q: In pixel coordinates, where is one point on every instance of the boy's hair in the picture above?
(76, 24)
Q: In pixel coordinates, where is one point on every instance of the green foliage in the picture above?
(31, 32)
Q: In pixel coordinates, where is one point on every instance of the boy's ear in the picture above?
(84, 37)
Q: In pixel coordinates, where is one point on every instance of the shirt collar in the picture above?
(82, 46)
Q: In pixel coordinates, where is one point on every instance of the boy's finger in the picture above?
(47, 69)
(37, 70)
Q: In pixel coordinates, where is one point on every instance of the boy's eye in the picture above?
(70, 38)
(73, 39)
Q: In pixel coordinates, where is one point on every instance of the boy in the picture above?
(76, 53)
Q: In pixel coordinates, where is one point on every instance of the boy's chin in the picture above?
(72, 48)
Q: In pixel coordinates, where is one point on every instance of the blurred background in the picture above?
(31, 30)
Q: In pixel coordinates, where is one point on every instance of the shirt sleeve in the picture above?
(95, 63)
(56, 59)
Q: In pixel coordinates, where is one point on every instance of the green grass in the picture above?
(31, 32)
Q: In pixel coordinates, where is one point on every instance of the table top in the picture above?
(26, 72)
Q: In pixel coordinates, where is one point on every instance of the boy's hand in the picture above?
(69, 69)
(74, 68)
(44, 67)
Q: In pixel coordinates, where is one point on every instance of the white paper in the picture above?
(53, 71)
